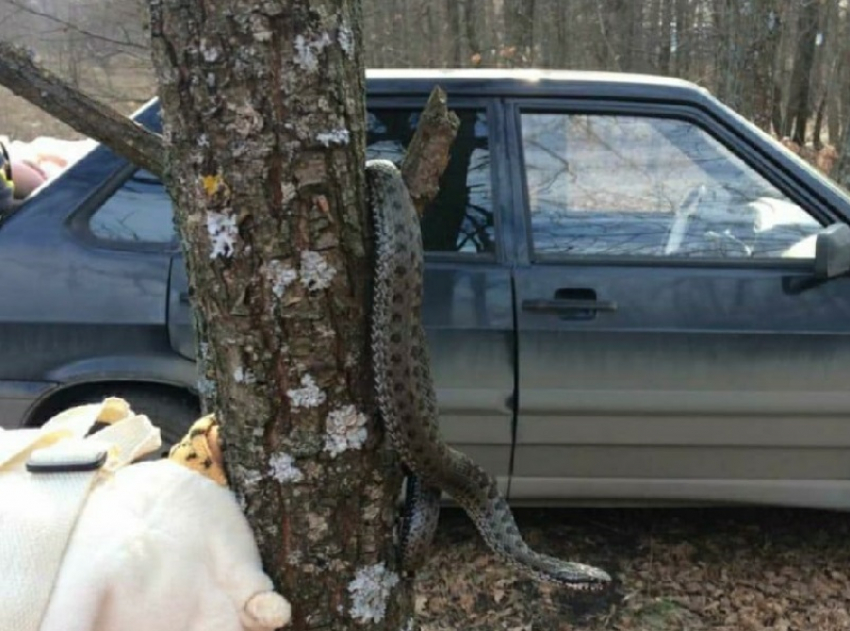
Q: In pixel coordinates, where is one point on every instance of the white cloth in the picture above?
(159, 548)
(149, 547)
(39, 510)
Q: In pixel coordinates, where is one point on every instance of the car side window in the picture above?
(460, 219)
(630, 186)
(139, 211)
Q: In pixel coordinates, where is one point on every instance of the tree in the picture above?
(519, 32)
(263, 112)
(799, 108)
(841, 171)
(764, 46)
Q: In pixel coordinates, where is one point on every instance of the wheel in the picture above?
(172, 411)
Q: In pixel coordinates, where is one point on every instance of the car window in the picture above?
(603, 185)
(461, 217)
(138, 211)
(459, 220)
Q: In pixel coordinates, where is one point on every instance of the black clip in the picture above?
(93, 463)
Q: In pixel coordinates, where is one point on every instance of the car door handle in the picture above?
(184, 298)
(565, 305)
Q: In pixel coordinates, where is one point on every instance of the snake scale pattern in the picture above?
(407, 400)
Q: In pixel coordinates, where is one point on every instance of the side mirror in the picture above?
(832, 251)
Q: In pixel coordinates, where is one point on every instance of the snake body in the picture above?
(408, 405)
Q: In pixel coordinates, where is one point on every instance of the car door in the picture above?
(670, 344)
(468, 304)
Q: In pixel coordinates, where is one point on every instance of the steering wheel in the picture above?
(684, 210)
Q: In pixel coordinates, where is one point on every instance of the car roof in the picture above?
(507, 83)
(531, 82)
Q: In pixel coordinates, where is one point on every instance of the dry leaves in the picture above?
(694, 569)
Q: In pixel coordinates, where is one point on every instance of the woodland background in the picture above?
(785, 64)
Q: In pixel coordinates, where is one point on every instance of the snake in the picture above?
(407, 403)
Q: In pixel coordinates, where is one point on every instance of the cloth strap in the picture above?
(46, 476)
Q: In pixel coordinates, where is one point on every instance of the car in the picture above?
(632, 294)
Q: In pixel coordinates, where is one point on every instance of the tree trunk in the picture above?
(725, 18)
(841, 170)
(470, 20)
(665, 52)
(764, 52)
(519, 32)
(621, 21)
(263, 111)
(453, 32)
(682, 38)
(798, 105)
(833, 117)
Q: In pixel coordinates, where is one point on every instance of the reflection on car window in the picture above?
(635, 186)
(139, 211)
(459, 220)
(461, 217)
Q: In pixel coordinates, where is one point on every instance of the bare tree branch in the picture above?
(66, 25)
(428, 153)
(42, 88)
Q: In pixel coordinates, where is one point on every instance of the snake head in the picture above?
(581, 577)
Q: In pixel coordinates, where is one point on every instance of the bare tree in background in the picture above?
(797, 115)
(782, 64)
(519, 32)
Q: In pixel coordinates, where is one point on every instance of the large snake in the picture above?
(408, 405)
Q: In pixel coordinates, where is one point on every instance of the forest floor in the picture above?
(675, 569)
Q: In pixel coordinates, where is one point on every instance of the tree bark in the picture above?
(263, 112)
(24, 77)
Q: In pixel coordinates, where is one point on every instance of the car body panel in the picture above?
(705, 378)
(16, 399)
(468, 317)
(181, 327)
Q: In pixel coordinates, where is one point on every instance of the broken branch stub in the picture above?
(428, 153)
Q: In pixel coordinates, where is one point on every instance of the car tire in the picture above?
(172, 411)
